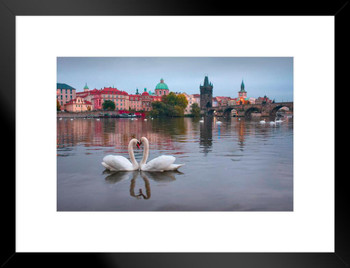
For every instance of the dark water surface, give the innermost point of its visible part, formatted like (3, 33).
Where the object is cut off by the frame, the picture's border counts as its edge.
(240, 165)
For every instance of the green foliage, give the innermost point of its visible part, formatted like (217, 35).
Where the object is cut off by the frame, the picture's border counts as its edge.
(58, 106)
(171, 105)
(182, 101)
(108, 105)
(195, 110)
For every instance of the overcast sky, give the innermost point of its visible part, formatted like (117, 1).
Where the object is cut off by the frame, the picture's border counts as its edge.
(262, 75)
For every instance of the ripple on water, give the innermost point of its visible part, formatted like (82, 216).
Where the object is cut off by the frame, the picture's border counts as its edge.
(239, 165)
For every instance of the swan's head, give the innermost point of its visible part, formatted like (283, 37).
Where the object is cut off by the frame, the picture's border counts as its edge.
(138, 144)
(141, 141)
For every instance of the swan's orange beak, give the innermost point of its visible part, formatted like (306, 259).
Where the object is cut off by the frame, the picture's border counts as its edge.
(138, 144)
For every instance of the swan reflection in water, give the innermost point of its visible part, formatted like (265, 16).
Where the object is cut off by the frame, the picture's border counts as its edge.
(116, 177)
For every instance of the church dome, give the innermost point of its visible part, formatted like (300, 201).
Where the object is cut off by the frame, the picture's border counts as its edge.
(162, 85)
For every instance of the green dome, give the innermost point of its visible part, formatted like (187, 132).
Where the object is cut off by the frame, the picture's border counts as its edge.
(162, 85)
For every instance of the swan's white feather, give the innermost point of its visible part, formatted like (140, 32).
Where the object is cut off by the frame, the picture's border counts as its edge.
(117, 163)
(175, 166)
(159, 163)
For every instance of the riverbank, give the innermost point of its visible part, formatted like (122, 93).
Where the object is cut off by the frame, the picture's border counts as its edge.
(97, 114)
(117, 114)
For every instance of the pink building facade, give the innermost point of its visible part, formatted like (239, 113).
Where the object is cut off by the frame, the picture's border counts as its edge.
(96, 97)
(191, 98)
(64, 94)
(78, 105)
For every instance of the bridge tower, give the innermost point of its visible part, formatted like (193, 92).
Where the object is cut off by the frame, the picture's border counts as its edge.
(206, 93)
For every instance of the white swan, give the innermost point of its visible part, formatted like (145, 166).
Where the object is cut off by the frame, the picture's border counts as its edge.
(219, 122)
(120, 163)
(201, 121)
(160, 163)
(262, 121)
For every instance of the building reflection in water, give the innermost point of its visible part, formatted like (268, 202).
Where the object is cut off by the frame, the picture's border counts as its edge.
(117, 133)
(241, 129)
(206, 134)
(116, 177)
(163, 134)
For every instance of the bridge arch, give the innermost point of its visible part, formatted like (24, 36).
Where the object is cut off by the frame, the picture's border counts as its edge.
(210, 112)
(250, 110)
(274, 111)
(227, 111)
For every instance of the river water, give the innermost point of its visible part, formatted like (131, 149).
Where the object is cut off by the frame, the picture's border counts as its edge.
(238, 165)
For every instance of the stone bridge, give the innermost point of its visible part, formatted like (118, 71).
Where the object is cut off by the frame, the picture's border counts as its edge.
(245, 110)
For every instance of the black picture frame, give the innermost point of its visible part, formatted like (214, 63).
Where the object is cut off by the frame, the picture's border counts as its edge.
(9, 9)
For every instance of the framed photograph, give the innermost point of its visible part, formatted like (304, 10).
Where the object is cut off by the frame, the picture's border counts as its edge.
(173, 137)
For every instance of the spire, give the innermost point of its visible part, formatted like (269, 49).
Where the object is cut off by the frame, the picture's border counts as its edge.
(86, 86)
(242, 87)
(206, 81)
(137, 91)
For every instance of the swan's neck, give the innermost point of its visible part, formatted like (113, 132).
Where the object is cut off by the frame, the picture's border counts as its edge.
(145, 151)
(131, 152)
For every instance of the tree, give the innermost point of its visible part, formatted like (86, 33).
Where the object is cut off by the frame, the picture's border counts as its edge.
(108, 105)
(159, 108)
(178, 110)
(171, 105)
(181, 101)
(172, 99)
(58, 106)
(195, 110)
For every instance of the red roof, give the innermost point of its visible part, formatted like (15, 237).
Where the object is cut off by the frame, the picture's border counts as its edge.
(82, 94)
(111, 90)
(136, 97)
(94, 91)
(222, 97)
(108, 90)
